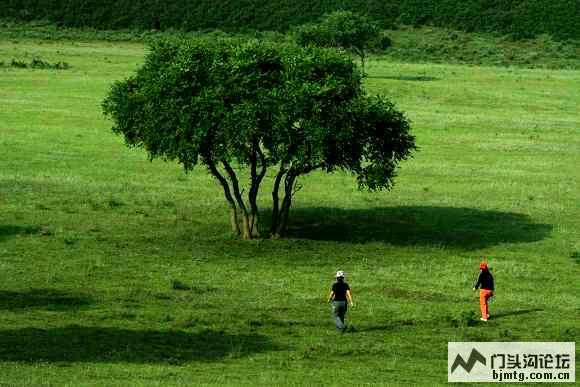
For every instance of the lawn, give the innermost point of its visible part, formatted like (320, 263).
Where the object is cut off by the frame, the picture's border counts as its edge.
(120, 271)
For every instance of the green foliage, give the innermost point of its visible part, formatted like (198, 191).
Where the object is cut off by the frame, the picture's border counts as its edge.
(384, 42)
(18, 64)
(258, 105)
(519, 18)
(409, 44)
(343, 29)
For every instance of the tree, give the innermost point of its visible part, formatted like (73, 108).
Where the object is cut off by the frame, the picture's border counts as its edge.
(343, 29)
(258, 106)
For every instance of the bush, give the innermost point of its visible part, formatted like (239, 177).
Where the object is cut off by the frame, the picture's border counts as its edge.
(18, 64)
(384, 42)
(37, 63)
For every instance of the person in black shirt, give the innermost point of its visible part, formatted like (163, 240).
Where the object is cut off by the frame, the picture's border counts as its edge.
(486, 287)
(339, 295)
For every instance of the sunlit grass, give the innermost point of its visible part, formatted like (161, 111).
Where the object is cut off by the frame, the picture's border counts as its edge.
(94, 237)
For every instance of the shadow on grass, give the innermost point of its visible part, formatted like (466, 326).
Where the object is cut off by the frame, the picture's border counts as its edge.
(8, 231)
(414, 295)
(465, 228)
(387, 326)
(515, 313)
(88, 344)
(50, 299)
(463, 319)
(412, 78)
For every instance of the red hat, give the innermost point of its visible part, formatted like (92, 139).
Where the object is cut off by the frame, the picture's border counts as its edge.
(483, 266)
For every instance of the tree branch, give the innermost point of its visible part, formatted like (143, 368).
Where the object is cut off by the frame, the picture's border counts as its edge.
(275, 198)
(224, 183)
(263, 163)
(256, 180)
(286, 203)
(247, 230)
(297, 187)
(235, 186)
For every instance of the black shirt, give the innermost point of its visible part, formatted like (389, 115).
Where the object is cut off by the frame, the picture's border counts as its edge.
(339, 289)
(484, 281)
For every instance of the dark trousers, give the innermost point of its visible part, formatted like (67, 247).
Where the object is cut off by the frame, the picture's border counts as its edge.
(339, 311)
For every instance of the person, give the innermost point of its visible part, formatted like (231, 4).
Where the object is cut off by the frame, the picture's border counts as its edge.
(486, 287)
(339, 296)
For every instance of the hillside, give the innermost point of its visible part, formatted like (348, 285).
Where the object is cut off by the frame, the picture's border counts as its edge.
(517, 18)
(410, 44)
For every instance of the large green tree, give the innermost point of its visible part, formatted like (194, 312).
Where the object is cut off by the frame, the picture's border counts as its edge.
(259, 106)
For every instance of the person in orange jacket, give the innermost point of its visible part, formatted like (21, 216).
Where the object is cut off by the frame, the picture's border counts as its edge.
(486, 287)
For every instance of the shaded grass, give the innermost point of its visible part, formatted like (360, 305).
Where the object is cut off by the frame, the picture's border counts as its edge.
(96, 345)
(447, 227)
(50, 299)
(7, 231)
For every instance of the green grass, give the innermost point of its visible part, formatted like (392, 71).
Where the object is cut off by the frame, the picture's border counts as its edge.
(430, 44)
(119, 271)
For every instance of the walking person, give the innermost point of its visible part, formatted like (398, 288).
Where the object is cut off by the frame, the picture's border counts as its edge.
(486, 287)
(340, 296)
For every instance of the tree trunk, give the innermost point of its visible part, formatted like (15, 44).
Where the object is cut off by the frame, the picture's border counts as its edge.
(235, 186)
(224, 183)
(246, 230)
(255, 181)
(360, 52)
(283, 221)
(276, 201)
(247, 234)
(286, 204)
(234, 222)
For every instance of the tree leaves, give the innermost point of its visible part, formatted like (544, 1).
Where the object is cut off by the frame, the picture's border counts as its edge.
(259, 104)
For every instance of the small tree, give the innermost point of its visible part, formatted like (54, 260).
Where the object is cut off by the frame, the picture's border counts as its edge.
(258, 106)
(342, 29)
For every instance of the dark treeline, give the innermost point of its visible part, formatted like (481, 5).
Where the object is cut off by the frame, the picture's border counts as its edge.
(518, 18)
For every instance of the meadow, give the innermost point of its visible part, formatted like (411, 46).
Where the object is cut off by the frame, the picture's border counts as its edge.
(118, 271)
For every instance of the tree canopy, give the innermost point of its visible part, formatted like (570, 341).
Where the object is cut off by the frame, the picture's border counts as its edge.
(341, 29)
(259, 106)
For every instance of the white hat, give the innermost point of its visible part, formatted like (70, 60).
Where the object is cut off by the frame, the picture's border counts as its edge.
(339, 274)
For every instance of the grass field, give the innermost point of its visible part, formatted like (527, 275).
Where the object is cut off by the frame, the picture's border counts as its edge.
(118, 271)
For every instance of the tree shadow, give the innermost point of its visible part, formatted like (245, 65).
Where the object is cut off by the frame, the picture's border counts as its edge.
(416, 295)
(464, 228)
(387, 326)
(515, 313)
(50, 299)
(7, 231)
(411, 78)
(92, 344)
